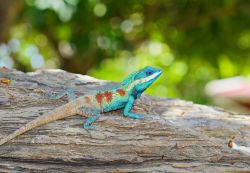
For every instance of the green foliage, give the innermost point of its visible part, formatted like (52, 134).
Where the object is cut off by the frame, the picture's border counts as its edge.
(192, 41)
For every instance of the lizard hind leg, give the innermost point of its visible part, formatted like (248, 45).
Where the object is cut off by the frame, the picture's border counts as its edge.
(69, 92)
(95, 115)
(89, 121)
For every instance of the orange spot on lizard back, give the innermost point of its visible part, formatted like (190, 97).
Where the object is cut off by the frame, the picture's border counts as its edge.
(87, 100)
(99, 98)
(121, 92)
(108, 95)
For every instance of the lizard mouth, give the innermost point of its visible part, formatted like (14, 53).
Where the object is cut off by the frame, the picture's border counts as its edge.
(151, 77)
(158, 73)
(155, 75)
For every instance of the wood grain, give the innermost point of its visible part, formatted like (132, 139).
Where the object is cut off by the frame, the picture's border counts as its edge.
(175, 136)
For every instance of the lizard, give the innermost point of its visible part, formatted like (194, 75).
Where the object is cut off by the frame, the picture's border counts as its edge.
(98, 102)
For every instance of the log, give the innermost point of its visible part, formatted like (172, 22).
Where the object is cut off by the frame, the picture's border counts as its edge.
(174, 136)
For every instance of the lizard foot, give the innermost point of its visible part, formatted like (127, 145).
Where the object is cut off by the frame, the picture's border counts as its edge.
(87, 126)
(135, 116)
(69, 92)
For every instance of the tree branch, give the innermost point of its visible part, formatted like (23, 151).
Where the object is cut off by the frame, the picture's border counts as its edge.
(175, 136)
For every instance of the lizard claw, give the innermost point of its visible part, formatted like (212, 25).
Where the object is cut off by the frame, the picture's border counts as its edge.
(86, 126)
(138, 116)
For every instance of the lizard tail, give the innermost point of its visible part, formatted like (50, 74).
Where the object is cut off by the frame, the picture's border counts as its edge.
(59, 113)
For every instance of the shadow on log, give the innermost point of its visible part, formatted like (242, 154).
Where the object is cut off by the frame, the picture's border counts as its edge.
(174, 136)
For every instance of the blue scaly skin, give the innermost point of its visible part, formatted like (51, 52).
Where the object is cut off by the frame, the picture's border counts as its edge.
(99, 102)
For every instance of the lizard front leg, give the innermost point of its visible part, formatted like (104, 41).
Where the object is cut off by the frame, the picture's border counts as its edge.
(128, 107)
(69, 92)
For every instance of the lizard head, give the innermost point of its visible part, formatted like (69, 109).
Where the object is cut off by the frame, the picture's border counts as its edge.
(142, 79)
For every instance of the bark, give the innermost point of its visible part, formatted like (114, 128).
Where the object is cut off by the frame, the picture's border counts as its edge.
(175, 136)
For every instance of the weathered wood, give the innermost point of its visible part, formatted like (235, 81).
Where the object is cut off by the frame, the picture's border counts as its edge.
(175, 136)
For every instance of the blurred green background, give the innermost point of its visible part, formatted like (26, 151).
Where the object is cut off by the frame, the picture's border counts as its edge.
(193, 41)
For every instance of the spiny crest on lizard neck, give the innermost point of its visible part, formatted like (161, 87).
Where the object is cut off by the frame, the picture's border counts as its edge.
(141, 79)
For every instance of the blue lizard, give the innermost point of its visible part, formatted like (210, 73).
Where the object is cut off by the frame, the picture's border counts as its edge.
(99, 102)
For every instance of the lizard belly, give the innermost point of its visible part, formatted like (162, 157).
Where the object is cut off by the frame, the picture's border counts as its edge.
(114, 106)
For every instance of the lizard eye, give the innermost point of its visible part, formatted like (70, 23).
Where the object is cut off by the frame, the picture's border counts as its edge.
(148, 73)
